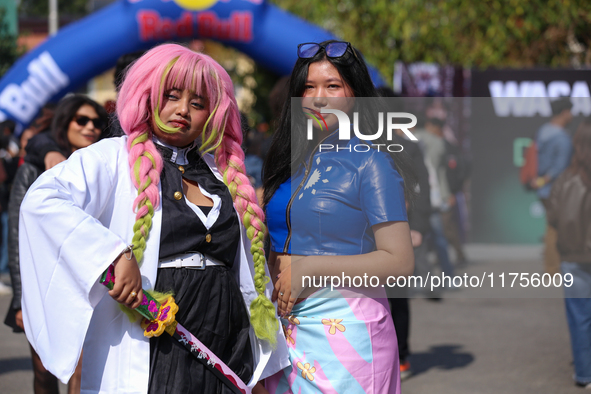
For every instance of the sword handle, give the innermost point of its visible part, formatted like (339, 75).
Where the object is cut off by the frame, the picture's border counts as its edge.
(149, 307)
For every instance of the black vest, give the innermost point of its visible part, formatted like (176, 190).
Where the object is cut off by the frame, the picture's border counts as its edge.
(182, 230)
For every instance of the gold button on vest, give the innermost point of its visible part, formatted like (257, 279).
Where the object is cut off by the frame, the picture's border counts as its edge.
(208, 238)
(182, 169)
(178, 195)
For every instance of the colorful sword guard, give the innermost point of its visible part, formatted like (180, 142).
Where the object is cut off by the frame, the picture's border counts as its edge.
(166, 317)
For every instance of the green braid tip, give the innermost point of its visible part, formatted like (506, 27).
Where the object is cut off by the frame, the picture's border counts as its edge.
(263, 320)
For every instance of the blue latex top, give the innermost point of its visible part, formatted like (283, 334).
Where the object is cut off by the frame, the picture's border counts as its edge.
(343, 195)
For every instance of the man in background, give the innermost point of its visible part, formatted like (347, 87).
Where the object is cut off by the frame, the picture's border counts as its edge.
(554, 155)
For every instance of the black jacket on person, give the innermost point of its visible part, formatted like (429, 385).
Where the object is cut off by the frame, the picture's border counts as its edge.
(39, 146)
(26, 174)
(43, 143)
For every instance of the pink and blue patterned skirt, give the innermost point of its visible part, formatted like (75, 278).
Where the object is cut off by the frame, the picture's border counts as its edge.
(339, 344)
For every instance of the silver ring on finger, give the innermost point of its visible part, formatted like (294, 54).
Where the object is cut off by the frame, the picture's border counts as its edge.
(281, 294)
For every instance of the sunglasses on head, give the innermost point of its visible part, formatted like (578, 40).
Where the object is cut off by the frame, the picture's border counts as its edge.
(333, 49)
(82, 120)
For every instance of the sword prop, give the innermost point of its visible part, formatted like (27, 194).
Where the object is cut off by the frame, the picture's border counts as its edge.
(158, 317)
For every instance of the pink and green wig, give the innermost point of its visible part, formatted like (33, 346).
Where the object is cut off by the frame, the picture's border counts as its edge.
(140, 99)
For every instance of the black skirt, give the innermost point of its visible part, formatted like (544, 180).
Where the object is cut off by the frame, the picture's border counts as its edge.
(211, 307)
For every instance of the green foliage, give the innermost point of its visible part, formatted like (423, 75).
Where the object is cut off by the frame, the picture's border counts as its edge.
(41, 7)
(9, 50)
(481, 33)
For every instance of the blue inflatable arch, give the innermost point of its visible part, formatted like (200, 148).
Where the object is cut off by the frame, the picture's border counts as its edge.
(92, 45)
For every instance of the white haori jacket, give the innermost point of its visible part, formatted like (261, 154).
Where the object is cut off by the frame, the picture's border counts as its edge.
(75, 220)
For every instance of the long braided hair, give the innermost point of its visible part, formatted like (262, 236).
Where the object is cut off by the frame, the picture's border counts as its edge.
(170, 66)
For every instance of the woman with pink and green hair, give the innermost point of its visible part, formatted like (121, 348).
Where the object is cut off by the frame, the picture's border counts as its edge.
(170, 206)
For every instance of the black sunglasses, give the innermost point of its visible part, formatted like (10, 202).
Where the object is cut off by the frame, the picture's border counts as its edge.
(333, 49)
(82, 120)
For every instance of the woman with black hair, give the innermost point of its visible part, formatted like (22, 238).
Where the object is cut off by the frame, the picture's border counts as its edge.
(335, 209)
(47, 149)
(77, 123)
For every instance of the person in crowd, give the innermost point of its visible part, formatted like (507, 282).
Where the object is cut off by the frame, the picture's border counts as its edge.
(418, 221)
(77, 123)
(9, 144)
(253, 160)
(453, 170)
(123, 63)
(457, 172)
(554, 155)
(26, 135)
(8, 164)
(433, 146)
(335, 213)
(569, 210)
(44, 150)
(276, 101)
(169, 206)
(277, 98)
(41, 124)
